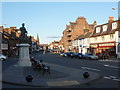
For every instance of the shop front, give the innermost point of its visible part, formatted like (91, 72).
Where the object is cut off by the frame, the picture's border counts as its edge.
(108, 47)
(94, 48)
(118, 56)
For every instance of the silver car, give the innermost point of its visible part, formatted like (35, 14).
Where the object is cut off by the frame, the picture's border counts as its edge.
(3, 57)
(90, 56)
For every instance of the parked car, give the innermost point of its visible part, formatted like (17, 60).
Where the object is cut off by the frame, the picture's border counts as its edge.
(91, 56)
(61, 54)
(78, 55)
(68, 54)
(3, 57)
(72, 54)
(100, 55)
(64, 54)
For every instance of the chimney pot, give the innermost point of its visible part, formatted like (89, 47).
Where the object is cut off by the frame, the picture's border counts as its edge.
(111, 19)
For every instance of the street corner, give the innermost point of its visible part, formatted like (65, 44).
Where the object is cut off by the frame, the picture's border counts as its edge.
(84, 79)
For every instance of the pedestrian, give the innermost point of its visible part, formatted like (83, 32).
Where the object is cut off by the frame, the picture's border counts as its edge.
(103, 55)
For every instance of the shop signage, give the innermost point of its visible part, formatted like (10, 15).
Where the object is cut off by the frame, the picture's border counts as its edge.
(93, 45)
(80, 45)
(107, 44)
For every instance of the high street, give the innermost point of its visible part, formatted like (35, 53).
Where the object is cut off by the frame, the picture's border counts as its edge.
(107, 69)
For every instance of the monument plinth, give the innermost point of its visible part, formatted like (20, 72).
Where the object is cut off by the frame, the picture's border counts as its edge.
(24, 59)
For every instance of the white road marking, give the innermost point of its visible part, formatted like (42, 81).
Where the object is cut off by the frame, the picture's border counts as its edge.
(107, 77)
(112, 78)
(116, 79)
(90, 68)
(111, 66)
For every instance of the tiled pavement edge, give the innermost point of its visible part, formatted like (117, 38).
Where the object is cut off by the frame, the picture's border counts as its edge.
(59, 76)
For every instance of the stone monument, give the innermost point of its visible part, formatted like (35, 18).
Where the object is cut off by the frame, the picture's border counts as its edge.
(24, 59)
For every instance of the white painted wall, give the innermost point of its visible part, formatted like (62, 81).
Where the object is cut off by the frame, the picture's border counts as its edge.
(99, 39)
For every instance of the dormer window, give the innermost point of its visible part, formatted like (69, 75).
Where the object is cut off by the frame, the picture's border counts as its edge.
(104, 28)
(114, 25)
(97, 29)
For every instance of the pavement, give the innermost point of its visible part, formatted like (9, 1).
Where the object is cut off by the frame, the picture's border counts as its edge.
(111, 59)
(60, 76)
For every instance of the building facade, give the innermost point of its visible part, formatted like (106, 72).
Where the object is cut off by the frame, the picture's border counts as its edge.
(105, 37)
(73, 30)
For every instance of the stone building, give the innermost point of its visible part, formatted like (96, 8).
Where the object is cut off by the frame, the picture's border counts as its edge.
(73, 30)
(10, 37)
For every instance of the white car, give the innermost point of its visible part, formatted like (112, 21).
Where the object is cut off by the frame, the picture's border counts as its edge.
(3, 57)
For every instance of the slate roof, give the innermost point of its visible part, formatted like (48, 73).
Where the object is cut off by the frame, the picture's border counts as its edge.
(108, 31)
(101, 32)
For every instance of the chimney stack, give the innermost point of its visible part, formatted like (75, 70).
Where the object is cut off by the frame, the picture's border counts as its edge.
(111, 19)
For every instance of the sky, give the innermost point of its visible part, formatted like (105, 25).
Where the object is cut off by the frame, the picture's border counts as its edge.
(49, 19)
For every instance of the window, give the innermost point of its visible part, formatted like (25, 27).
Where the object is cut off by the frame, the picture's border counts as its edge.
(95, 38)
(111, 36)
(88, 40)
(114, 25)
(97, 29)
(69, 40)
(103, 38)
(104, 28)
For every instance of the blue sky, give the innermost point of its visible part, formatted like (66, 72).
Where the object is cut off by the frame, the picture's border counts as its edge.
(49, 19)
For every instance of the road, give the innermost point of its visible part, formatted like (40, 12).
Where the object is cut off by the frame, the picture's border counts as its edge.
(107, 69)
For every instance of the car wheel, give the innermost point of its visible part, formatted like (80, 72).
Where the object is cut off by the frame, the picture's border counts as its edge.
(90, 58)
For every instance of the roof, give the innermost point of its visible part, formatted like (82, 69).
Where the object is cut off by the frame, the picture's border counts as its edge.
(101, 32)
(85, 35)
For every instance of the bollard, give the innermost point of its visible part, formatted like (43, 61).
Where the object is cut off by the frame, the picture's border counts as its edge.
(29, 78)
(86, 75)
